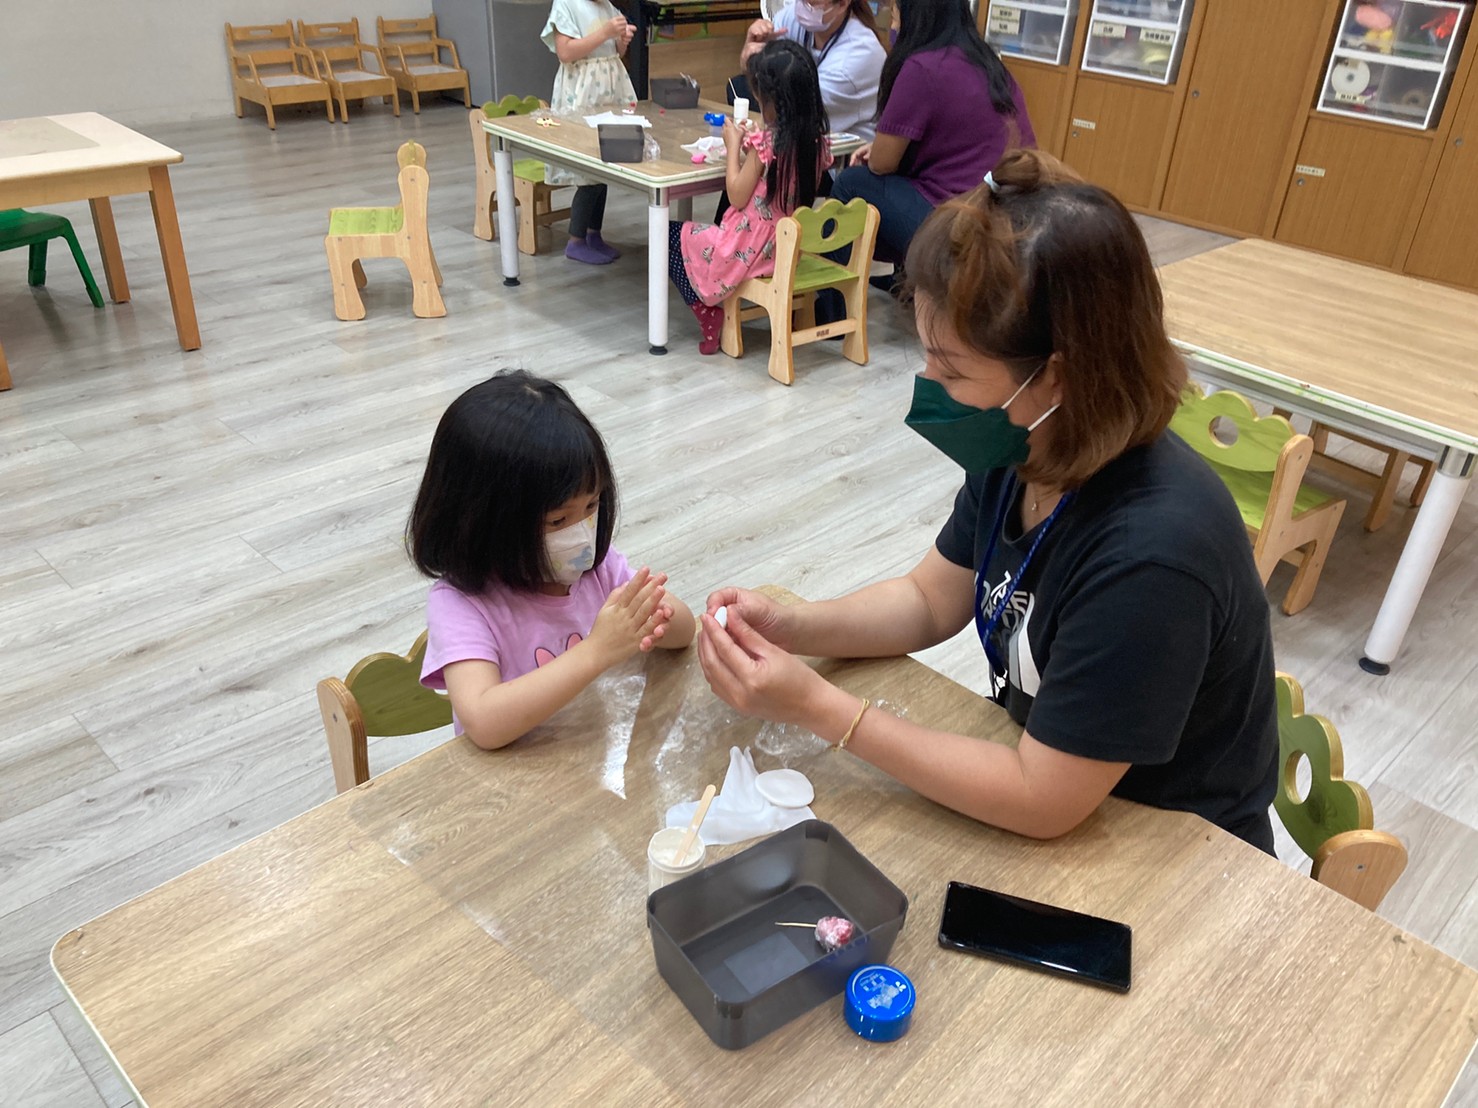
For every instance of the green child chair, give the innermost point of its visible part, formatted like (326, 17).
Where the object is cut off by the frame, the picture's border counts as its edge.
(1333, 823)
(530, 193)
(35, 229)
(382, 696)
(1264, 468)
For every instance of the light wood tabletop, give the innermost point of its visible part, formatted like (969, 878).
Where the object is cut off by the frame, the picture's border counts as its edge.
(1395, 344)
(87, 156)
(1379, 353)
(471, 926)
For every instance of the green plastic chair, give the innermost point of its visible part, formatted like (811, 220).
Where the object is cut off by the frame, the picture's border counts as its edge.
(1263, 467)
(1333, 823)
(382, 695)
(532, 196)
(801, 271)
(19, 227)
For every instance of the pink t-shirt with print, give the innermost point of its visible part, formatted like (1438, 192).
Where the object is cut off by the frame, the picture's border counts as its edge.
(516, 631)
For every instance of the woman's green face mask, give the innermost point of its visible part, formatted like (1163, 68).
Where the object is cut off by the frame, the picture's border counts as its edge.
(975, 439)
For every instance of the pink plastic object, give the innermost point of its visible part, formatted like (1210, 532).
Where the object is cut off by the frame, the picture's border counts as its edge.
(1372, 18)
(834, 932)
(698, 159)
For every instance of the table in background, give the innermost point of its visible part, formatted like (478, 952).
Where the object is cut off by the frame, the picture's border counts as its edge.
(671, 177)
(86, 156)
(472, 923)
(1391, 357)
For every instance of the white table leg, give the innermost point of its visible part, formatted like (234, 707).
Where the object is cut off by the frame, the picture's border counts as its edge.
(657, 216)
(507, 215)
(1418, 556)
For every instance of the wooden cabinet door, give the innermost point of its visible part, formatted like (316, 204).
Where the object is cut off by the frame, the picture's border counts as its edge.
(1116, 133)
(1045, 90)
(1246, 97)
(1359, 205)
(1446, 243)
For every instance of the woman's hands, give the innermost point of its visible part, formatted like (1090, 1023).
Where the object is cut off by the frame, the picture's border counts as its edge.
(752, 672)
(863, 154)
(633, 618)
(760, 32)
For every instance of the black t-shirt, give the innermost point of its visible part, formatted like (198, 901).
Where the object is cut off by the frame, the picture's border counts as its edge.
(1147, 635)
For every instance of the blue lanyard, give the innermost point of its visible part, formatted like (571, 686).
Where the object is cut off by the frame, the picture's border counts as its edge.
(986, 627)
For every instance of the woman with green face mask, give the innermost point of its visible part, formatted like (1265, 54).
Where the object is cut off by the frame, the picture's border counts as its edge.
(1102, 564)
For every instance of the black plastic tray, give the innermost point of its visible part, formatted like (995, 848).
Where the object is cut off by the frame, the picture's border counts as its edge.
(716, 944)
(620, 142)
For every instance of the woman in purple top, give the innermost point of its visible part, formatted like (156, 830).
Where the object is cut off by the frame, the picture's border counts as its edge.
(947, 110)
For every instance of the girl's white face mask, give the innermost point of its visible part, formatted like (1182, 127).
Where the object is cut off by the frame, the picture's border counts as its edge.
(571, 550)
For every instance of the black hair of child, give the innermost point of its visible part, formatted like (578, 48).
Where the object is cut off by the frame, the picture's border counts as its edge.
(782, 77)
(505, 454)
(935, 24)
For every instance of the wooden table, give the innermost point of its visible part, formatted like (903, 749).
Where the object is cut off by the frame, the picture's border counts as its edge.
(470, 928)
(673, 177)
(1389, 356)
(86, 156)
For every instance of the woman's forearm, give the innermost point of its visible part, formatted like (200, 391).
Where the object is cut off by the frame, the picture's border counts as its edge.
(883, 620)
(1029, 789)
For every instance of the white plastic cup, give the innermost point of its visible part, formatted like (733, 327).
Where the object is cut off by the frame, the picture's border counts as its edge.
(741, 109)
(661, 870)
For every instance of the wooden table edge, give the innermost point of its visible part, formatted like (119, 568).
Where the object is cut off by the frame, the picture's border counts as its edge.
(92, 1030)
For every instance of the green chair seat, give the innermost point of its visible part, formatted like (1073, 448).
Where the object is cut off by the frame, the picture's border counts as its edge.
(529, 169)
(365, 221)
(1251, 491)
(35, 230)
(817, 273)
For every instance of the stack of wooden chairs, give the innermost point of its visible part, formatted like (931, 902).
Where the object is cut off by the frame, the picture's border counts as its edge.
(276, 64)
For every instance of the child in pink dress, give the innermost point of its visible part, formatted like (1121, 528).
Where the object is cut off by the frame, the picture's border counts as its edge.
(772, 171)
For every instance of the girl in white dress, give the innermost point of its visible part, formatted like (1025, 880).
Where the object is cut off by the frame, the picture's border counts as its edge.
(589, 37)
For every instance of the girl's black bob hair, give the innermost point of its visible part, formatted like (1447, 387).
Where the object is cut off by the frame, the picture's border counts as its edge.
(505, 453)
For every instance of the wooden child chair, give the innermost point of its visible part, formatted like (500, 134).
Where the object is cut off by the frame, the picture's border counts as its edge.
(361, 71)
(412, 51)
(398, 232)
(533, 197)
(1264, 469)
(269, 68)
(19, 227)
(1383, 484)
(1334, 824)
(382, 696)
(801, 272)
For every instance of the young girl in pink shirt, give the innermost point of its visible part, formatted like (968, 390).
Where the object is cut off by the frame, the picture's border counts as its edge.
(514, 520)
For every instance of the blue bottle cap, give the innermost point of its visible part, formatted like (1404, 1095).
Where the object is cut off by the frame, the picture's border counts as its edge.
(714, 119)
(879, 1003)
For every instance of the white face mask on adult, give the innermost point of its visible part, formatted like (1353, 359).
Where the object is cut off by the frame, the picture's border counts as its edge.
(809, 17)
(571, 550)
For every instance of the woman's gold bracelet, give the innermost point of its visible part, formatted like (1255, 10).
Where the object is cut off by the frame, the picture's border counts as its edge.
(866, 704)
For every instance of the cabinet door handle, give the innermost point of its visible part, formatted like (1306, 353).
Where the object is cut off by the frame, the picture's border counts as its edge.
(1195, 94)
(1457, 141)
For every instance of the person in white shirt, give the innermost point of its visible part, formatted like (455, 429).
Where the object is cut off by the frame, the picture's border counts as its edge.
(843, 38)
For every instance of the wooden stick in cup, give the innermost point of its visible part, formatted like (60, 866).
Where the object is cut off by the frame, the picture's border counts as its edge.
(698, 817)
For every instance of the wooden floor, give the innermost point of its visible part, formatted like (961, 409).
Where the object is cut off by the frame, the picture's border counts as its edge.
(188, 542)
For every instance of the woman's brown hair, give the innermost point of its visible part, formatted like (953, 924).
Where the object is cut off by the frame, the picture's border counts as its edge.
(1046, 264)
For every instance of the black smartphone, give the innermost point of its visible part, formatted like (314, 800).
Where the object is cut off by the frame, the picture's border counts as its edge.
(1040, 936)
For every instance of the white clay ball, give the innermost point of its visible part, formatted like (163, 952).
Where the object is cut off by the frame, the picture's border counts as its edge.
(721, 617)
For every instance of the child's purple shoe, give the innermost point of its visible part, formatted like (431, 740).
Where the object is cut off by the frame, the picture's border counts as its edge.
(579, 251)
(595, 242)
